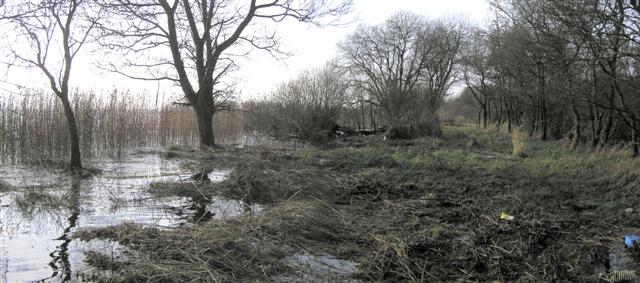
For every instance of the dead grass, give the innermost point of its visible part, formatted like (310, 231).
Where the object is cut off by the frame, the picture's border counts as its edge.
(425, 212)
(34, 201)
(33, 128)
(246, 249)
(519, 139)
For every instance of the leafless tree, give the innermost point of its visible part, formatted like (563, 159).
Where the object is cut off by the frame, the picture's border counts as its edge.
(392, 61)
(476, 72)
(305, 107)
(195, 43)
(49, 35)
(568, 66)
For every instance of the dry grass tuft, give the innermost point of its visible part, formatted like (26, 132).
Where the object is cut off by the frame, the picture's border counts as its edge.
(519, 139)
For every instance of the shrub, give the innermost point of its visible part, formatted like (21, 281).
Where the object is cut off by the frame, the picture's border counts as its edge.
(429, 128)
(305, 108)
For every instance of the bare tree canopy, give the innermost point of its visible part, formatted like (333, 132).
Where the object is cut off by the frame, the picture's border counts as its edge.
(405, 55)
(195, 43)
(560, 69)
(48, 36)
(306, 107)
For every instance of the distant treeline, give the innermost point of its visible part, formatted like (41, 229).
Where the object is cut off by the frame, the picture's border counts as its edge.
(33, 126)
(559, 69)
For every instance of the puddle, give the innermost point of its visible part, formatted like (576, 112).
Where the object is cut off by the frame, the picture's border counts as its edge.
(221, 208)
(38, 218)
(321, 268)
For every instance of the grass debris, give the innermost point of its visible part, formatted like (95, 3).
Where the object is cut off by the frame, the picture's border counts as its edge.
(423, 211)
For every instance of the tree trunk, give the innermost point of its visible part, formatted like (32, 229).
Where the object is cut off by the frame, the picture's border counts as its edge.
(76, 161)
(534, 122)
(510, 115)
(485, 116)
(372, 116)
(606, 131)
(594, 126)
(544, 120)
(593, 111)
(485, 111)
(364, 113)
(577, 124)
(488, 102)
(634, 140)
(204, 118)
(499, 118)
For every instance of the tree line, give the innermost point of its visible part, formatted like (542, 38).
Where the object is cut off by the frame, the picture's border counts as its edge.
(557, 68)
(560, 69)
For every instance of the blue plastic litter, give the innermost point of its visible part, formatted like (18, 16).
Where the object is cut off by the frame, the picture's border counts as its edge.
(631, 240)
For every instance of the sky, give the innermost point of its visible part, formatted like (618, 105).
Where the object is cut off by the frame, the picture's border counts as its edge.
(310, 46)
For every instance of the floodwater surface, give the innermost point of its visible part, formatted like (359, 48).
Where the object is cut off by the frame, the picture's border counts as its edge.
(39, 215)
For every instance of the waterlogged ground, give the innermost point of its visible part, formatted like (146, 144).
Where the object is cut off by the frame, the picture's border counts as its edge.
(44, 208)
(456, 208)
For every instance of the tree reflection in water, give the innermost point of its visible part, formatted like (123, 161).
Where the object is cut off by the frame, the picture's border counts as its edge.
(60, 257)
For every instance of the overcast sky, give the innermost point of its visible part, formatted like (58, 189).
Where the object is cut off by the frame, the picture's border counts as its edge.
(311, 46)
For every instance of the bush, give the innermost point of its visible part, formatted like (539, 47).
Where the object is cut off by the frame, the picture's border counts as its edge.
(429, 128)
(426, 128)
(403, 133)
(306, 108)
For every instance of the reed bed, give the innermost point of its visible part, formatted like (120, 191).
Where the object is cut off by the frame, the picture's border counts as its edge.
(33, 128)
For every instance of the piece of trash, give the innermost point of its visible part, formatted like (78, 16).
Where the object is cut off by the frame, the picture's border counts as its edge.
(628, 210)
(632, 241)
(506, 217)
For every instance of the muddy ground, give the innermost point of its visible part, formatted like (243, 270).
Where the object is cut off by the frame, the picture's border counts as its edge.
(426, 210)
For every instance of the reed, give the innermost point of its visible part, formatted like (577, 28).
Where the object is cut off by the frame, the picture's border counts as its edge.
(33, 128)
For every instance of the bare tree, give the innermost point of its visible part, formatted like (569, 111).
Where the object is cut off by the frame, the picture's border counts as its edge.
(476, 72)
(404, 56)
(194, 44)
(304, 107)
(43, 29)
(566, 68)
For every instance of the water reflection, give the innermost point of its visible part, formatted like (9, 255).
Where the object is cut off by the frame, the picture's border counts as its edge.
(60, 257)
(39, 217)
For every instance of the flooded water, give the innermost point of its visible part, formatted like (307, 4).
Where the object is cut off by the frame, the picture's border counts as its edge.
(39, 216)
(321, 268)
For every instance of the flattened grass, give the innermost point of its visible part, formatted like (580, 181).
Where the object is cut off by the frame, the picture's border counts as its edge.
(424, 211)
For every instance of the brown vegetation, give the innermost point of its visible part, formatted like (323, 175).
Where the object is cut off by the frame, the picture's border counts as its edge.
(420, 213)
(519, 139)
(33, 127)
